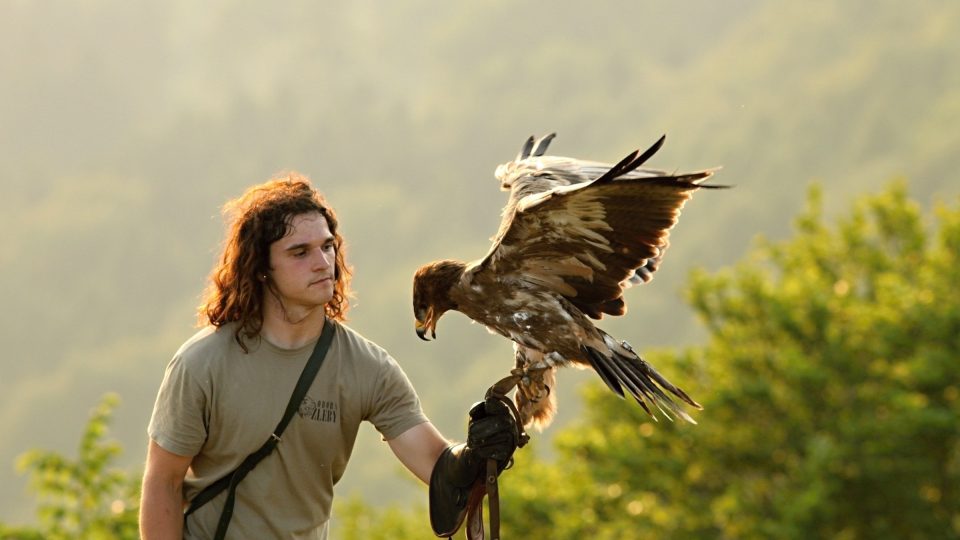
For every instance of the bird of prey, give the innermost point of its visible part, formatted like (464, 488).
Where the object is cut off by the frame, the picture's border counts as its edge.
(572, 237)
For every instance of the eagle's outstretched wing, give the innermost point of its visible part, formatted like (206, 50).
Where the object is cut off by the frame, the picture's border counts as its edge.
(532, 172)
(583, 240)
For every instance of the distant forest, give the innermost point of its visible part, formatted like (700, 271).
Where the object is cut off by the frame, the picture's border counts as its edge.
(125, 126)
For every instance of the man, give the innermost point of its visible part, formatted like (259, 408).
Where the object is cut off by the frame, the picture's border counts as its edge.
(281, 278)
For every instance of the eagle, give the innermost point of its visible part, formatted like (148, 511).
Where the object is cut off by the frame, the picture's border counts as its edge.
(574, 235)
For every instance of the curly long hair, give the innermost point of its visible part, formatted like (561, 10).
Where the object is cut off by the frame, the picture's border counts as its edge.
(255, 220)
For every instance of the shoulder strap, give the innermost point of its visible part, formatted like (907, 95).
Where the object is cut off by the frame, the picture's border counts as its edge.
(233, 478)
(306, 378)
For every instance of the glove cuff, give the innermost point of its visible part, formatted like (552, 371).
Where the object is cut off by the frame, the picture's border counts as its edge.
(452, 486)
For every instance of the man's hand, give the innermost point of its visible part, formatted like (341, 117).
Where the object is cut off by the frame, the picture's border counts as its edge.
(492, 433)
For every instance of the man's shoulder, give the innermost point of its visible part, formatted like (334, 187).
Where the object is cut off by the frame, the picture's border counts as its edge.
(207, 344)
(362, 347)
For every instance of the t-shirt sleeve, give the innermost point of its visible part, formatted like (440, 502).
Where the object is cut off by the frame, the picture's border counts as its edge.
(396, 407)
(178, 422)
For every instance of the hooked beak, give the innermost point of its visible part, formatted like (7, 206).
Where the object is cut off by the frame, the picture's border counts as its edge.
(426, 325)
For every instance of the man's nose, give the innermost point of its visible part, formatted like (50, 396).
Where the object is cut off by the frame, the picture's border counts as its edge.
(323, 259)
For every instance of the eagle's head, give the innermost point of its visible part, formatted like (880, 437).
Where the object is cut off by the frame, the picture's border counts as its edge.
(432, 286)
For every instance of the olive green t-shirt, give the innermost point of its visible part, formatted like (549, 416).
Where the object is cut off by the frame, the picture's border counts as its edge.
(219, 404)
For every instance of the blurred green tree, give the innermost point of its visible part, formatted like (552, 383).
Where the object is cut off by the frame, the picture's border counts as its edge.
(84, 498)
(830, 385)
(355, 519)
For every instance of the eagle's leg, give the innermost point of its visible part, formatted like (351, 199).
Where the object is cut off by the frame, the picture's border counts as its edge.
(529, 367)
(532, 385)
(535, 399)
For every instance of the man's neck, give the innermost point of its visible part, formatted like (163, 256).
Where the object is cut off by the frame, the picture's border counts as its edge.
(291, 329)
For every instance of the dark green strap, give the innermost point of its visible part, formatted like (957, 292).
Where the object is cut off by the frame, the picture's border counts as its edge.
(232, 479)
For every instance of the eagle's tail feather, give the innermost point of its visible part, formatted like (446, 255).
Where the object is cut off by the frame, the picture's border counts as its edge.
(602, 366)
(641, 380)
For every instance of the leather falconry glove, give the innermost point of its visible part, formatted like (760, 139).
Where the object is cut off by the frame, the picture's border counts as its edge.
(457, 481)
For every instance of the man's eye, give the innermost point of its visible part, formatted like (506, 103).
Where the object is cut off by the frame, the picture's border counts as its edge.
(299, 254)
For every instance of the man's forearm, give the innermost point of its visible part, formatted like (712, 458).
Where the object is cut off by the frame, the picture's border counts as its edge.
(418, 449)
(161, 510)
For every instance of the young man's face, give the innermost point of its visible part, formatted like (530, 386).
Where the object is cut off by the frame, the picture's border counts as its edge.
(302, 263)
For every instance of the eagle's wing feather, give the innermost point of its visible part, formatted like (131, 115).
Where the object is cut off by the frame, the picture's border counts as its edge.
(583, 240)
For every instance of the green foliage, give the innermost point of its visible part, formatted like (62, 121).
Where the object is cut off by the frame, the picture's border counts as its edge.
(839, 351)
(354, 519)
(83, 498)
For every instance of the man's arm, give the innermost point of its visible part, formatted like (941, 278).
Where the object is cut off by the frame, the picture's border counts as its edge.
(418, 448)
(161, 503)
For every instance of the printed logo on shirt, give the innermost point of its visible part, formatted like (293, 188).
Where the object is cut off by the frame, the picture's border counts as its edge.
(318, 411)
